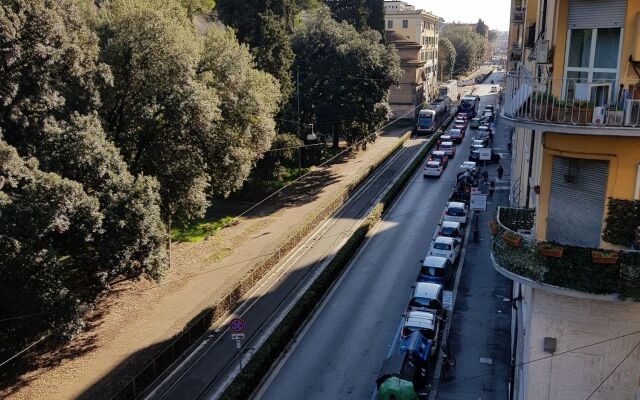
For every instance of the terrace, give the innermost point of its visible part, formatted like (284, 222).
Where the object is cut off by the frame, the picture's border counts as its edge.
(572, 105)
(559, 268)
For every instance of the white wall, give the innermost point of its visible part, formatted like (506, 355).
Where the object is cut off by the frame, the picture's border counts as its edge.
(574, 323)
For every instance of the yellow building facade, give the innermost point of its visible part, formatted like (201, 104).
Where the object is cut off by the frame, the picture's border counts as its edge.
(572, 103)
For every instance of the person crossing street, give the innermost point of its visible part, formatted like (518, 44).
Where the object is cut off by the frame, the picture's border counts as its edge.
(500, 172)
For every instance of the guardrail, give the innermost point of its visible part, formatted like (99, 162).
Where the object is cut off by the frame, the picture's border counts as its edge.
(569, 101)
(590, 271)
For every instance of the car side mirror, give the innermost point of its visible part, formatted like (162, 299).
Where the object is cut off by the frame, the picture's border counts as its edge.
(421, 261)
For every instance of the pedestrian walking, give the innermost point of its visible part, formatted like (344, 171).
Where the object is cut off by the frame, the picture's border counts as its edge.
(492, 188)
(500, 171)
(485, 175)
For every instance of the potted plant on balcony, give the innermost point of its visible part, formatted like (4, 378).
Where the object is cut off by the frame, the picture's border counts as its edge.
(493, 226)
(550, 250)
(604, 256)
(512, 239)
(576, 112)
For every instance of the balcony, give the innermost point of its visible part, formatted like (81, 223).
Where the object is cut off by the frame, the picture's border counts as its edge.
(518, 15)
(561, 269)
(600, 107)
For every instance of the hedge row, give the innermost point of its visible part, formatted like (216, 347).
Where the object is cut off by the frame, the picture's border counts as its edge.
(251, 375)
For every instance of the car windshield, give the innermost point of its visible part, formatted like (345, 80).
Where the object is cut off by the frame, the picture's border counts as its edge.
(455, 211)
(441, 246)
(437, 156)
(432, 271)
(425, 302)
(446, 146)
(448, 231)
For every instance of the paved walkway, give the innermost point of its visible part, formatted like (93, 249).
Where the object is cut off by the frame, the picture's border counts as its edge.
(137, 318)
(480, 334)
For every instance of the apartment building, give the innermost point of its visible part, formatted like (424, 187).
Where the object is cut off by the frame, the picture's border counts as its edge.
(414, 33)
(571, 237)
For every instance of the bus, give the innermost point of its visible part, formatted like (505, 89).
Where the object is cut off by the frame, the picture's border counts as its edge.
(469, 105)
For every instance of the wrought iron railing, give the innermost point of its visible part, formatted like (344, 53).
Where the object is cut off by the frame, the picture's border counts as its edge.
(569, 101)
(594, 271)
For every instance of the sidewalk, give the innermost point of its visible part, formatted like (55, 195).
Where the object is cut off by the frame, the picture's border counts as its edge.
(130, 324)
(480, 334)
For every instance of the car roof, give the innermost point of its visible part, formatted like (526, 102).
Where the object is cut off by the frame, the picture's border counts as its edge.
(450, 224)
(427, 289)
(439, 152)
(420, 319)
(454, 130)
(432, 163)
(465, 163)
(444, 239)
(455, 204)
(434, 261)
(447, 143)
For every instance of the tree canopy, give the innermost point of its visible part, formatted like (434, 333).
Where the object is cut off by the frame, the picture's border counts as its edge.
(446, 57)
(470, 47)
(351, 95)
(363, 14)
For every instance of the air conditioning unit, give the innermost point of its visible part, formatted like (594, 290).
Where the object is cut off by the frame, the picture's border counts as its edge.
(598, 115)
(542, 52)
(518, 15)
(631, 112)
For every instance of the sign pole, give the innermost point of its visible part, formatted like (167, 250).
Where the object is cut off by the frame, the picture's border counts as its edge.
(239, 346)
(476, 228)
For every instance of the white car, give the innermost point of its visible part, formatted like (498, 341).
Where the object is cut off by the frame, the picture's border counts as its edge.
(456, 212)
(433, 168)
(470, 166)
(424, 322)
(449, 148)
(450, 229)
(446, 247)
(446, 138)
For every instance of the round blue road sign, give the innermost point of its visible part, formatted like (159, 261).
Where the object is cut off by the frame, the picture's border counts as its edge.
(236, 325)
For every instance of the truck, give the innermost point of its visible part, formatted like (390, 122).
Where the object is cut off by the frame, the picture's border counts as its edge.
(469, 106)
(404, 374)
(430, 119)
(449, 88)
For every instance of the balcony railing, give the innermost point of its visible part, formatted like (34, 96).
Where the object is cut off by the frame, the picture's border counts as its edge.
(563, 268)
(599, 103)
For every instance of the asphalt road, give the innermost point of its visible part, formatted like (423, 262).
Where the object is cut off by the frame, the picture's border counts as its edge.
(216, 360)
(340, 352)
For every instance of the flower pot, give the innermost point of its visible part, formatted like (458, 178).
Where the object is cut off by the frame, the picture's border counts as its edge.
(604, 257)
(493, 226)
(615, 117)
(549, 250)
(512, 239)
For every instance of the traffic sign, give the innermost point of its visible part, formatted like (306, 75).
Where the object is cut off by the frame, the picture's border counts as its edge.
(237, 336)
(236, 325)
(484, 154)
(478, 202)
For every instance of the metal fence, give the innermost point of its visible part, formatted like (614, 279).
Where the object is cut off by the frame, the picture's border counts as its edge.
(192, 333)
(573, 101)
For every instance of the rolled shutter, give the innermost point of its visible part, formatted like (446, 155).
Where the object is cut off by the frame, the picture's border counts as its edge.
(577, 200)
(597, 13)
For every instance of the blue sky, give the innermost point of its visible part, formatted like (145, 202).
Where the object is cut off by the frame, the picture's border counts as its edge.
(494, 13)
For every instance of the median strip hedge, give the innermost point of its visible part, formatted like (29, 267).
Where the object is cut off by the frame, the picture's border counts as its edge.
(252, 374)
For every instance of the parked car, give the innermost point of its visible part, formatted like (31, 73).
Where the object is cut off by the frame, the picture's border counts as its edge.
(456, 212)
(459, 126)
(447, 247)
(426, 296)
(450, 229)
(449, 148)
(445, 138)
(470, 166)
(433, 168)
(439, 155)
(480, 142)
(435, 269)
(424, 322)
(488, 115)
(483, 132)
(475, 123)
(456, 135)
(462, 116)
(460, 122)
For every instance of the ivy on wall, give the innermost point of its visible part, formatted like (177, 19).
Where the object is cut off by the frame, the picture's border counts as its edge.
(622, 221)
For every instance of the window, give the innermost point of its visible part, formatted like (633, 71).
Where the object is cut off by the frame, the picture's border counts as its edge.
(592, 57)
(390, 24)
(405, 23)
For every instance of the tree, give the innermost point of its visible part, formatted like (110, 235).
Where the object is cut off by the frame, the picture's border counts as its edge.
(446, 57)
(265, 25)
(481, 28)
(195, 7)
(470, 47)
(352, 93)
(249, 100)
(375, 19)
(363, 14)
